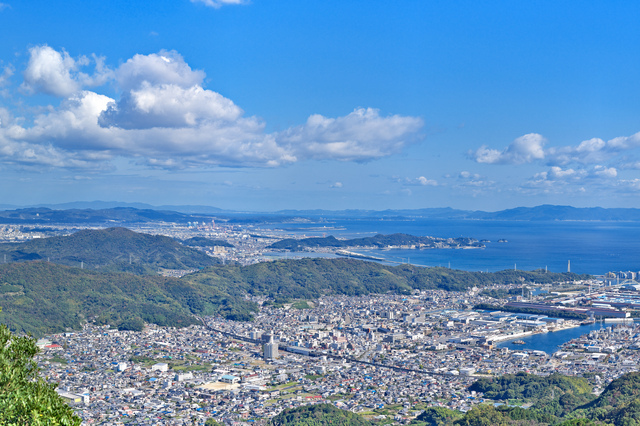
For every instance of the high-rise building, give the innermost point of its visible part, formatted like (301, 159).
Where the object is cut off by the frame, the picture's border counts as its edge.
(271, 349)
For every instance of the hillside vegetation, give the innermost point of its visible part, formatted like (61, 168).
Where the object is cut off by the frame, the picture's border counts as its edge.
(112, 249)
(42, 297)
(318, 415)
(556, 400)
(310, 278)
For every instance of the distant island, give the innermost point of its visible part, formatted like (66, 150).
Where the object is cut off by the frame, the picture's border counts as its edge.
(392, 241)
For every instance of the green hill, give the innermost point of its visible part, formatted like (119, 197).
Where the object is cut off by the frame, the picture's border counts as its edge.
(557, 400)
(619, 403)
(112, 249)
(318, 415)
(205, 242)
(553, 395)
(41, 298)
(310, 278)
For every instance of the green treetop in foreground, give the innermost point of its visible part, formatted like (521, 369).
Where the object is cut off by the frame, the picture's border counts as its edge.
(25, 397)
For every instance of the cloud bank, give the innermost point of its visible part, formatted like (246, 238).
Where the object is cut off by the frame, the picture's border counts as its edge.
(165, 117)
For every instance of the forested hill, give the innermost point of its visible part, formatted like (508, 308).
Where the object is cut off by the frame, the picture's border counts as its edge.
(310, 278)
(110, 249)
(318, 415)
(379, 241)
(42, 297)
(555, 400)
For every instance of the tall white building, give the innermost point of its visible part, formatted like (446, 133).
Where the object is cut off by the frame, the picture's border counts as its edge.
(271, 349)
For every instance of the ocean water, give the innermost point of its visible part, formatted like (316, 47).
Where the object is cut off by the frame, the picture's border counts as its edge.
(591, 247)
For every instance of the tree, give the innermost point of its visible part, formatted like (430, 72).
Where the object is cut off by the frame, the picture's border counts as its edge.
(25, 397)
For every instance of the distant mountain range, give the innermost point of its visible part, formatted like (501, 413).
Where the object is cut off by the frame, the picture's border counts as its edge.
(96, 212)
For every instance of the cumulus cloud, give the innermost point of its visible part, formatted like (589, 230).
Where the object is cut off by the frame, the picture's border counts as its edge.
(605, 172)
(336, 185)
(50, 72)
(219, 3)
(524, 149)
(559, 180)
(419, 181)
(165, 118)
(58, 74)
(359, 136)
(168, 105)
(165, 67)
(530, 148)
(466, 179)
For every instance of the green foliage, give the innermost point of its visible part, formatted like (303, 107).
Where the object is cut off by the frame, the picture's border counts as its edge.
(302, 304)
(530, 386)
(558, 400)
(488, 415)
(439, 416)
(132, 324)
(619, 403)
(318, 415)
(205, 242)
(311, 278)
(57, 298)
(25, 398)
(110, 249)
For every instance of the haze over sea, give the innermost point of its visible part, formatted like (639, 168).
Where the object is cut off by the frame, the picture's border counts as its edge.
(592, 247)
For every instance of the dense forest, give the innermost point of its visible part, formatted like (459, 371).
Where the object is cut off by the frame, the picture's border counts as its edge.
(112, 249)
(318, 415)
(310, 278)
(555, 399)
(205, 242)
(41, 298)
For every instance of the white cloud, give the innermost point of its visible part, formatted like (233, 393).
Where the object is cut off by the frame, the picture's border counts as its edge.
(169, 105)
(165, 67)
(419, 181)
(556, 173)
(524, 149)
(165, 118)
(336, 185)
(219, 3)
(359, 136)
(4, 6)
(530, 148)
(6, 74)
(50, 72)
(605, 172)
(58, 74)
(474, 182)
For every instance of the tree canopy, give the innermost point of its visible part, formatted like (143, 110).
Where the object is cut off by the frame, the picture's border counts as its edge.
(25, 397)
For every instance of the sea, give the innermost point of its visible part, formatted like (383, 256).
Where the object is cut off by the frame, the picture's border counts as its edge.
(590, 247)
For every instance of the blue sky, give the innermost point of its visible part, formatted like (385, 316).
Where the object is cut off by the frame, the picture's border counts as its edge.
(267, 105)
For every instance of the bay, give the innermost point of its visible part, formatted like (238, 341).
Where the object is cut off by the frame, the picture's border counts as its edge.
(591, 247)
(550, 342)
